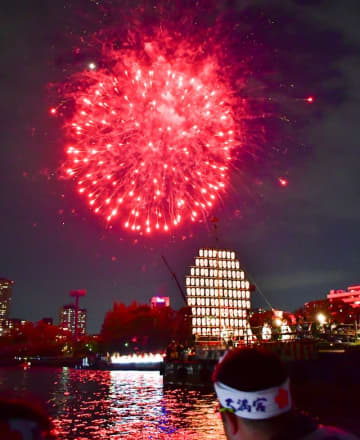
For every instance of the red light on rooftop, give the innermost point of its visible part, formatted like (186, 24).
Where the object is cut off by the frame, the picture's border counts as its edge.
(53, 111)
(310, 99)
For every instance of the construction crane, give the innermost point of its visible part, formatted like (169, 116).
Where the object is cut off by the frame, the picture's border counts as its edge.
(175, 278)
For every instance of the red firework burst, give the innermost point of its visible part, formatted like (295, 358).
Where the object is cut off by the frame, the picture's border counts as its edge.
(151, 137)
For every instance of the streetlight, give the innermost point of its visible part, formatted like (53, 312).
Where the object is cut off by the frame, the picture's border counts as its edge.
(321, 318)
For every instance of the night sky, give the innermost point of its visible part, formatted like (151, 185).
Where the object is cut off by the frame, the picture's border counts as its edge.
(296, 242)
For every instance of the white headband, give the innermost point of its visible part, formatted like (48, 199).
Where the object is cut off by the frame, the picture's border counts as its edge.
(257, 405)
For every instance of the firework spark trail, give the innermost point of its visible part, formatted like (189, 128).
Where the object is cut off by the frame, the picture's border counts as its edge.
(151, 140)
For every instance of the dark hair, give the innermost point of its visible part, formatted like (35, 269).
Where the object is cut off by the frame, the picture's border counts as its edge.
(23, 409)
(253, 369)
(250, 369)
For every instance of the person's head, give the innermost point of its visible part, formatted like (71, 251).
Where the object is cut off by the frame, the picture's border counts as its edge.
(252, 387)
(22, 420)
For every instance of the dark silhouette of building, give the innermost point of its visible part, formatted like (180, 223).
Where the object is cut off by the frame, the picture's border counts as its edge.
(48, 321)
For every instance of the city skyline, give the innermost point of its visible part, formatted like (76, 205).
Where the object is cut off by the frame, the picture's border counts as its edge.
(295, 241)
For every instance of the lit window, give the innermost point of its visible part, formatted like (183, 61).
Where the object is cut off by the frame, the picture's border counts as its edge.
(205, 253)
(210, 253)
(201, 252)
(192, 271)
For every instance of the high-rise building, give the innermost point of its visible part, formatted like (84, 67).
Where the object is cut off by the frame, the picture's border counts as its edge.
(350, 296)
(5, 299)
(68, 316)
(219, 296)
(159, 302)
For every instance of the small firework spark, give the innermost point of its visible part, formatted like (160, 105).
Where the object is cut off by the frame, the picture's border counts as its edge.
(283, 182)
(151, 139)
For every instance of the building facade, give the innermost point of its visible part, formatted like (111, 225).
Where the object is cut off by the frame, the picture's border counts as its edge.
(5, 300)
(351, 296)
(219, 296)
(159, 302)
(68, 316)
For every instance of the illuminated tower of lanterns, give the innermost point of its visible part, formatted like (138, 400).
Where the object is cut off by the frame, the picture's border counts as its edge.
(219, 296)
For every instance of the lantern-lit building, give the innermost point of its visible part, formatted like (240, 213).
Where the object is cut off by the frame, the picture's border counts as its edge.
(219, 296)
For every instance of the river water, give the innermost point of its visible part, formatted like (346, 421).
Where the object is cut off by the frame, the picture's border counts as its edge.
(115, 404)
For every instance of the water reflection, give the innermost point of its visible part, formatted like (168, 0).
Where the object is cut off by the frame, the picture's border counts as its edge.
(118, 404)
